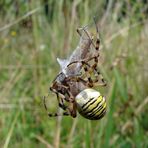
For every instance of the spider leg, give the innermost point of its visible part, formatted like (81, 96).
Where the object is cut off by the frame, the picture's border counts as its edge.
(53, 114)
(66, 95)
(95, 58)
(93, 75)
(60, 104)
(44, 102)
(91, 37)
(89, 70)
(78, 79)
(72, 109)
(97, 31)
(98, 75)
(88, 35)
(58, 114)
(79, 32)
(69, 110)
(60, 98)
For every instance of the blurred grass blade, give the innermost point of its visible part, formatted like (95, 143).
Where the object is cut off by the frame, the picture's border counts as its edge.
(11, 130)
(87, 134)
(100, 132)
(120, 85)
(138, 136)
(109, 125)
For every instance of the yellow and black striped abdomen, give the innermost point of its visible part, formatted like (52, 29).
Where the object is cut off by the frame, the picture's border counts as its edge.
(91, 104)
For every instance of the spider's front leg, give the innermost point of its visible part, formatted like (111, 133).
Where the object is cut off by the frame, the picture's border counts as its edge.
(56, 114)
(93, 69)
(89, 71)
(69, 110)
(62, 96)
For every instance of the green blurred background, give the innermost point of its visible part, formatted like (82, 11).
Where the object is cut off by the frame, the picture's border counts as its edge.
(33, 34)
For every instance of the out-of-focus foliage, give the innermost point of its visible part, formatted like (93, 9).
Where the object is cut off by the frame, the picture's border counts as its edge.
(33, 34)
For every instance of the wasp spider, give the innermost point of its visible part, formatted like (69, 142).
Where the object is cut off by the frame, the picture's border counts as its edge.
(79, 74)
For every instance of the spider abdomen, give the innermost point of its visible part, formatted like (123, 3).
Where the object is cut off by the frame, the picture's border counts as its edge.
(91, 104)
